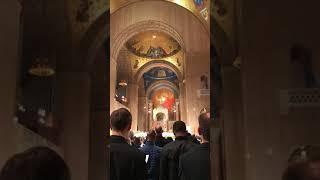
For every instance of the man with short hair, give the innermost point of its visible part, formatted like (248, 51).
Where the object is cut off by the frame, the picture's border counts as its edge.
(169, 157)
(126, 162)
(153, 153)
(195, 164)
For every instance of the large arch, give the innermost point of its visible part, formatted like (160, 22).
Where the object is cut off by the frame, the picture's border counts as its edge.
(128, 27)
(95, 37)
(118, 41)
(157, 63)
(162, 84)
(184, 5)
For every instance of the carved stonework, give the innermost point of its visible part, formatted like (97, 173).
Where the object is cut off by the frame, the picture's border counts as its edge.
(299, 98)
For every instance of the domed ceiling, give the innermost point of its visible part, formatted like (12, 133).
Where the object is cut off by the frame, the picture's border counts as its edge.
(159, 73)
(153, 44)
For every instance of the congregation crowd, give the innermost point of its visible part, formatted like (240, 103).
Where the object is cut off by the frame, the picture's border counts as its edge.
(183, 158)
(159, 158)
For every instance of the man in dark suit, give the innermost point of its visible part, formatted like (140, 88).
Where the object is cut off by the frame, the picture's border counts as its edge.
(195, 164)
(126, 162)
(169, 157)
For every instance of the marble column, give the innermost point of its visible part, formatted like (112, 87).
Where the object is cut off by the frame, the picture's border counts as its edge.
(133, 103)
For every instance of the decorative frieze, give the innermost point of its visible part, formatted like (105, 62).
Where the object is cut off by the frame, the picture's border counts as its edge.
(299, 98)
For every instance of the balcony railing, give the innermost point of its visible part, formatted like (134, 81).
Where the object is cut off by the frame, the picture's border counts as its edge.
(299, 98)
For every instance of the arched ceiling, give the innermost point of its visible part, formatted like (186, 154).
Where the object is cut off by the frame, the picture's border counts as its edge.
(82, 14)
(153, 44)
(200, 8)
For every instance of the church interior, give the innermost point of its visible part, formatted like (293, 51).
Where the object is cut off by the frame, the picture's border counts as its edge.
(67, 64)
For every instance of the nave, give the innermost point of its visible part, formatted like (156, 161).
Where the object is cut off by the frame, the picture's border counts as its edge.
(254, 65)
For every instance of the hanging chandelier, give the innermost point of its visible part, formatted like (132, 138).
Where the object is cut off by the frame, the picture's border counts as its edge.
(41, 67)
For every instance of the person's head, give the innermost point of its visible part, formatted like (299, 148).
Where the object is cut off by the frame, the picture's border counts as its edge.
(120, 121)
(151, 136)
(179, 128)
(304, 164)
(37, 163)
(136, 141)
(158, 130)
(204, 127)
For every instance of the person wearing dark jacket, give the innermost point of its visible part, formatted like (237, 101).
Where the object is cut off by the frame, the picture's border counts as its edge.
(126, 162)
(195, 164)
(169, 157)
(153, 153)
(136, 142)
(160, 140)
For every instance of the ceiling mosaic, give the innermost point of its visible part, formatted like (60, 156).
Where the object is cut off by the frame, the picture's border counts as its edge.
(137, 62)
(157, 74)
(153, 44)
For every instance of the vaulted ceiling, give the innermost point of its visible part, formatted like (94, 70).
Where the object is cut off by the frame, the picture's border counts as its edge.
(68, 21)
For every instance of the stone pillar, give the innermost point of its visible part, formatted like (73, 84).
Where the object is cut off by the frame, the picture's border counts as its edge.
(141, 114)
(232, 120)
(9, 35)
(133, 103)
(73, 111)
(182, 101)
(113, 81)
(150, 114)
(99, 131)
(177, 113)
(146, 114)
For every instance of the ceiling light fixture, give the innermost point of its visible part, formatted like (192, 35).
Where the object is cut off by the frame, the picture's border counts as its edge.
(123, 83)
(154, 36)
